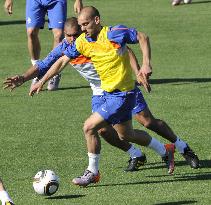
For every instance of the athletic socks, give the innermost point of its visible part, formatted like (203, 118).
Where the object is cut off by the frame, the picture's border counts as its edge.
(93, 163)
(157, 147)
(134, 152)
(180, 145)
(33, 62)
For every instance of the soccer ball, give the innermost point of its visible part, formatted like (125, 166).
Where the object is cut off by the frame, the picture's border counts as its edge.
(46, 182)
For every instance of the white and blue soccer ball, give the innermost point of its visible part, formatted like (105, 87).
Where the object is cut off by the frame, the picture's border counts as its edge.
(46, 182)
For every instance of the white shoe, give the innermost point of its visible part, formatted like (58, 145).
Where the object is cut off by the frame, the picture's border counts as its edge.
(187, 1)
(176, 2)
(34, 81)
(53, 83)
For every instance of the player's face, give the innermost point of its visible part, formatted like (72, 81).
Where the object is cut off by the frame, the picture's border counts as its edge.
(89, 25)
(71, 33)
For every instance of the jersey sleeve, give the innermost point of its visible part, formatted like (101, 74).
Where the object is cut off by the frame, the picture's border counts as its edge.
(44, 65)
(71, 51)
(122, 35)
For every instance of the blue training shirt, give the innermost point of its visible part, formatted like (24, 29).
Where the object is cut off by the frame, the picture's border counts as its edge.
(44, 65)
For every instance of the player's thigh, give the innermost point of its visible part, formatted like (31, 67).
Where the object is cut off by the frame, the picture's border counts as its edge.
(35, 14)
(94, 122)
(57, 14)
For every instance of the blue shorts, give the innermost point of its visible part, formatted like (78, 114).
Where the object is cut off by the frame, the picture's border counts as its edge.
(37, 9)
(114, 107)
(140, 102)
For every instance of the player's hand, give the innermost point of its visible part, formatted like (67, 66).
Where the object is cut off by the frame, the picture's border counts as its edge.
(13, 82)
(146, 71)
(8, 6)
(36, 88)
(143, 81)
(78, 5)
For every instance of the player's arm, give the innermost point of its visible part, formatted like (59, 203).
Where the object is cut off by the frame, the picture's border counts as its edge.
(135, 67)
(56, 68)
(8, 5)
(41, 67)
(17, 80)
(146, 68)
(123, 35)
(133, 61)
(78, 5)
(70, 52)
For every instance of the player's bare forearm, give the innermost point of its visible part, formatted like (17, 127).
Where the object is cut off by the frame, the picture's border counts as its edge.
(146, 52)
(31, 73)
(56, 68)
(133, 61)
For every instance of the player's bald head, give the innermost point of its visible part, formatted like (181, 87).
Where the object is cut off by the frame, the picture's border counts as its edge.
(89, 12)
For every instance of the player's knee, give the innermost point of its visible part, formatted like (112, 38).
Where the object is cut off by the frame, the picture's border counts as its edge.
(103, 132)
(88, 127)
(32, 33)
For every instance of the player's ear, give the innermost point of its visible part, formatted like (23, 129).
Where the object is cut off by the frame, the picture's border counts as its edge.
(97, 19)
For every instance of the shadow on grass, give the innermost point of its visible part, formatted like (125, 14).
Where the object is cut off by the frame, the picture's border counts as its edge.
(177, 202)
(4, 23)
(68, 88)
(152, 81)
(16, 22)
(177, 178)
(179, 80)
(65, 197)
(203, 164)
(201, 2)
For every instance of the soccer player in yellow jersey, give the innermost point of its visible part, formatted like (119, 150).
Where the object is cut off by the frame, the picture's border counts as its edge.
(106, 46)
(95, 43)
(140, 111)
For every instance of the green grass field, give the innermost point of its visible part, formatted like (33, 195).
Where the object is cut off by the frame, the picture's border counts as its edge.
(45, 132)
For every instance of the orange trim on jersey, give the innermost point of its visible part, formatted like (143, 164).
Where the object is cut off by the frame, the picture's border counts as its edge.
(115, 45)
(80, 60)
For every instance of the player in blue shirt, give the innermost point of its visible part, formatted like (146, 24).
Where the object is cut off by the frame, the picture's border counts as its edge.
(36, 10)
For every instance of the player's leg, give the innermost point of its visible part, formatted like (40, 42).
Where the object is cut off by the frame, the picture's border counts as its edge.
(115, 107)
(91, 127)
(145, 117)
(137, 158)
(163, 150)
(57, 14)
(35, 19)
(4, 196)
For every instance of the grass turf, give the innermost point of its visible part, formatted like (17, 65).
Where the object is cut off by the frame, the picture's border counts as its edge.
(45, 132)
